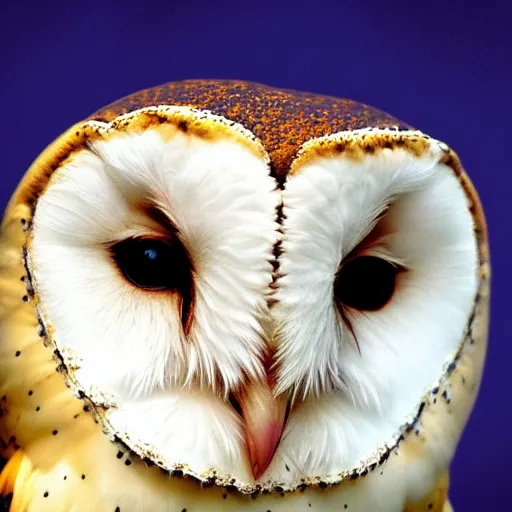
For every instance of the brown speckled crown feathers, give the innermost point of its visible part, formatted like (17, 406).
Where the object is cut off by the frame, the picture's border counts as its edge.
(281, 119)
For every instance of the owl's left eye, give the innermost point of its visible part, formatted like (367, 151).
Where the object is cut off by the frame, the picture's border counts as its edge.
(366, 283)
(153, 264)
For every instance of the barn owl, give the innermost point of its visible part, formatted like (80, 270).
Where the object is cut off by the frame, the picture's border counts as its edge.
(222, 296)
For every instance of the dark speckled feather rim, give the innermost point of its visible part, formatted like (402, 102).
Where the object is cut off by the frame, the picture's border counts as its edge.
(300, 116)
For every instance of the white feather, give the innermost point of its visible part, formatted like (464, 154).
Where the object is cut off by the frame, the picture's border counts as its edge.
(130, 344)
(356, 402)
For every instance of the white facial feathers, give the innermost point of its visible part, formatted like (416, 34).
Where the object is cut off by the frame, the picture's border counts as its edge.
(329, 206)
(130, 343)
(221, 199)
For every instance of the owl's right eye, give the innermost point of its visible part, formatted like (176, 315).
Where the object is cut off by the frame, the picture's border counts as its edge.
(366, 283)
(153, 264)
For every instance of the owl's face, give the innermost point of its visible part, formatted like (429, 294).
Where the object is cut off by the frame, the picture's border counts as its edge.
(262, 320)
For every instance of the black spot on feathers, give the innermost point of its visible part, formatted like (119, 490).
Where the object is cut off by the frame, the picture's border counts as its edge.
(5, 502)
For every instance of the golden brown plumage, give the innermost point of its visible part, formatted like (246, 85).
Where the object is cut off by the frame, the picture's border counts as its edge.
(64, 455)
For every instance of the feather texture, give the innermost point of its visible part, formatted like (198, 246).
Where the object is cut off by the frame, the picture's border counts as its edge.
(365, 432)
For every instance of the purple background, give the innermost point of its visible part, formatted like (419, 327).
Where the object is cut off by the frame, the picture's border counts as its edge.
(439, 65)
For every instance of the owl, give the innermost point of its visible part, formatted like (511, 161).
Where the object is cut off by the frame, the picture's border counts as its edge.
(223, 296)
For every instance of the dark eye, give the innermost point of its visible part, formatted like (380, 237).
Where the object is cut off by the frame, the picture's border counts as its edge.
(153, 264)
(365, 283)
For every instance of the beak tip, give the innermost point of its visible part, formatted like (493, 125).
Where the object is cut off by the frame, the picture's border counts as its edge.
(256, 471)
(261, 455)
(259, 467)
(264, 418)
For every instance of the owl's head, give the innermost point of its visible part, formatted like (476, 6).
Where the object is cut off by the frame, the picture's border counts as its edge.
(252, 287)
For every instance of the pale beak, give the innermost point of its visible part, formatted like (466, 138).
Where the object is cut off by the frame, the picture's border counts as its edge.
(264, 418)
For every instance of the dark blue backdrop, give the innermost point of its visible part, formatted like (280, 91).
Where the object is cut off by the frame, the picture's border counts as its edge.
(442, 66)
